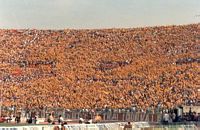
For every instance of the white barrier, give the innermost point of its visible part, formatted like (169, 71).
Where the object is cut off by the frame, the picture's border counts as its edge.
(67, 127)
(45, 127)
(105, 126)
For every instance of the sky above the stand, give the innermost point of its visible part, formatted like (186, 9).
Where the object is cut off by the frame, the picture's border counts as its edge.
(60, 14)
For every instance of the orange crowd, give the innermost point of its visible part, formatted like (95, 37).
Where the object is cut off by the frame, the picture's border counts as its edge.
(98, 68)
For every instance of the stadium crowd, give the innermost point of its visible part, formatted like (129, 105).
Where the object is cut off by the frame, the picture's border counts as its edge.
(117, 68)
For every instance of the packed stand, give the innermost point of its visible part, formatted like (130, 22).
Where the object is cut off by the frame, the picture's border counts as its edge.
(116, 68)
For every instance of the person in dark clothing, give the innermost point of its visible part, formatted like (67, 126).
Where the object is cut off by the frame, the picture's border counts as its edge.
(190, 111)
(30, 120)
(17, 119)
(35, 119)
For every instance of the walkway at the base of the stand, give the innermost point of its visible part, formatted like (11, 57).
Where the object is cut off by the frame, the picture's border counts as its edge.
(100, 126)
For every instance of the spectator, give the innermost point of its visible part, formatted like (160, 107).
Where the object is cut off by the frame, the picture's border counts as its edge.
(50, 119)
(56, 128)
(81, 121)
(30, 120)
(63, 126)
(17, 119)
(174, 117)
(35, 119)
(128, 126)
(89, 121)
(166, 118)
(60, 119)
(98, 118)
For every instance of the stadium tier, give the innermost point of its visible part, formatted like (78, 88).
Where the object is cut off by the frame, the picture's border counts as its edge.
(115, 68)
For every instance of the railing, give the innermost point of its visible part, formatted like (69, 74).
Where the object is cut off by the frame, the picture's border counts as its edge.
(107, 115)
